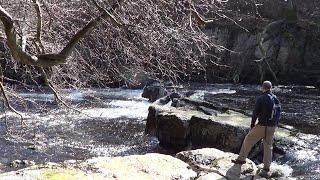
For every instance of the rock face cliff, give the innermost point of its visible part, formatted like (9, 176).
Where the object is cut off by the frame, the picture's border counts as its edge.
(265, 39)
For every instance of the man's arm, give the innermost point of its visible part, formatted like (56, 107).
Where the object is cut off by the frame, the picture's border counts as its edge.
(255, 112)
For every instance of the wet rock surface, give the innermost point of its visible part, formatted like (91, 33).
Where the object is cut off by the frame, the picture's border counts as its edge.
(210, 162)
(183, 126)
(21, 163)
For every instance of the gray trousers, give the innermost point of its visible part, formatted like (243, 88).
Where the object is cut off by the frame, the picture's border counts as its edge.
(255, 134)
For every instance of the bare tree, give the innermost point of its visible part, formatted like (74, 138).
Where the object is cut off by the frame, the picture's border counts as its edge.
(122, 41)
(45, 60)
(105, 43)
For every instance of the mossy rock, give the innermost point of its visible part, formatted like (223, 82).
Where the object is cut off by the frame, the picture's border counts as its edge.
(62, 174)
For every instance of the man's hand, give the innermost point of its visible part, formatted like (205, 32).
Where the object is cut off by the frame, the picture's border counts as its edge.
(252, 125)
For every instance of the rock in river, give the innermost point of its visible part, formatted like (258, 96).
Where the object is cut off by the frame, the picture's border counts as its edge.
(154, 91)
(178, 127)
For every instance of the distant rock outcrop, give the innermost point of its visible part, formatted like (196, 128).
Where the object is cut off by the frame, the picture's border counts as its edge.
(283, 33)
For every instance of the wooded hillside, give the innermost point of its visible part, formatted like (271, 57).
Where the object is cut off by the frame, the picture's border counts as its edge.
(111, 43)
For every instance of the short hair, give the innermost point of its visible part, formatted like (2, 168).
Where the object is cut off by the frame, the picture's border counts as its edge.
(267, 85)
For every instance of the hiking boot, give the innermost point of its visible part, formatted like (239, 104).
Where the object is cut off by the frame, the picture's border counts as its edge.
(264, 172)
(266, 169)
(237, 161)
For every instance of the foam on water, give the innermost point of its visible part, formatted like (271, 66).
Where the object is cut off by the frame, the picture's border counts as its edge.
(199, 94)
(38, 96)
(284, 168)
(117, 93)
(79, 95)
(310, 155)
(75, 96)
(12, 114)
(120, 108)
(108, 151)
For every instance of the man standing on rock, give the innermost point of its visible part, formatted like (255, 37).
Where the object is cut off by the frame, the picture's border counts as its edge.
(267, 110)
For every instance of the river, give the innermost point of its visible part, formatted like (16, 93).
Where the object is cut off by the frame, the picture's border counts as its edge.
(111, 123)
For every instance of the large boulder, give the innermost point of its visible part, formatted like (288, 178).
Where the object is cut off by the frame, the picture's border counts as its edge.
(183, 126)
(153, 91)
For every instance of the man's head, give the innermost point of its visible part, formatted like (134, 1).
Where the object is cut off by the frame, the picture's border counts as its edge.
(266, 86)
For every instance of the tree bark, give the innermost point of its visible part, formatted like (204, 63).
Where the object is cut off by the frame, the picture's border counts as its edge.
(36, 5)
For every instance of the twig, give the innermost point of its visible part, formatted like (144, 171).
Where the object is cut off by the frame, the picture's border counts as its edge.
(56, 95)
(104, 11)
(9, 105)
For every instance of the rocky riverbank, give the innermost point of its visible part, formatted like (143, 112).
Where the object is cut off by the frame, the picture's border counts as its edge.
(201, 164)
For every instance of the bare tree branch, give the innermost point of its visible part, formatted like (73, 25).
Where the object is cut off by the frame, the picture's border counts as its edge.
(47, 60)
(104, 11)
(36, 5)
(204, 22)
(55, 93)
(8, 103)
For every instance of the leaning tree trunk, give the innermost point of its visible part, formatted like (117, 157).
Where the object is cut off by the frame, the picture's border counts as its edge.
(48, 60)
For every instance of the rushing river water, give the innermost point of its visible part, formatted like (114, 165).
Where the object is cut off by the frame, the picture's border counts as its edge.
(112, 123)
